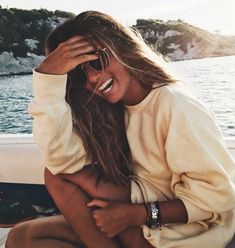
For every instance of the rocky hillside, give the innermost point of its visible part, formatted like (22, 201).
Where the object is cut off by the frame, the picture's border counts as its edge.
(22, 33)
(179, 40)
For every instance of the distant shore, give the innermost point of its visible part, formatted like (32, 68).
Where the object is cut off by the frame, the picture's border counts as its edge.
(30, 72)
(15, 74)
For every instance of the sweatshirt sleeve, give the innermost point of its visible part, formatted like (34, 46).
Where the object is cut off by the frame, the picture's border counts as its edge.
(203, 171)
(62, 149)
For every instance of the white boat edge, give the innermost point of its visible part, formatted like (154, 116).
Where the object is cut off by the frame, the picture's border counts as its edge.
(20, 154)
(20, 159)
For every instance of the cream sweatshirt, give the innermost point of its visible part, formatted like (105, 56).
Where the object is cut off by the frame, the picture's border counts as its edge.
(177, 149)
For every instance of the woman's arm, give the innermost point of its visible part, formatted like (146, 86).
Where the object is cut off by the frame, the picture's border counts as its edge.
(202, 169)
(115, 217)
(62, 149)
(53, 131)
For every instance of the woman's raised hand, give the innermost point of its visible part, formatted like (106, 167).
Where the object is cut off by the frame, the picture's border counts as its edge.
(67, 56)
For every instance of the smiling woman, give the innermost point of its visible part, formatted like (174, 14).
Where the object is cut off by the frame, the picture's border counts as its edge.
(143, 161)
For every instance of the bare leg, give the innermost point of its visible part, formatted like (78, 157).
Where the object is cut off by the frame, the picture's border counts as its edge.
(71, 200)
(50, 232)
(134, 238)
(85, 179)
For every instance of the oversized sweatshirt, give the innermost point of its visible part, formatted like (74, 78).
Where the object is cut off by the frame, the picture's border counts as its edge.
(177, 149)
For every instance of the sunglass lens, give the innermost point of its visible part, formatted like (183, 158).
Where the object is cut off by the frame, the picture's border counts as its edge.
(96, 64)
(102, 62)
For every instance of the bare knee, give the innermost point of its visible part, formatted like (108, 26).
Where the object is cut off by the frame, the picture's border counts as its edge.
(86, 179)
(57, 181)
(19, 236)
(54, 183)
(50, 179)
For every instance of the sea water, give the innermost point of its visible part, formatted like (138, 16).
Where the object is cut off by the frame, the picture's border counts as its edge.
(212, 79)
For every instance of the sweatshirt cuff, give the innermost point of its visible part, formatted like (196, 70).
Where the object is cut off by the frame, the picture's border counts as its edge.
(49, 89)
(195, 213)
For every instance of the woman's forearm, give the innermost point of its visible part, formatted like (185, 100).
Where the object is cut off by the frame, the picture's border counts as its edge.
(172, 211)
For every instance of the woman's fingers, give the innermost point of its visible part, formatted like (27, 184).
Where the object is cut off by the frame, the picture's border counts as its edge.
(77, 42)
(83, 59)
(98, 203)
(81, 51)
(78, 48)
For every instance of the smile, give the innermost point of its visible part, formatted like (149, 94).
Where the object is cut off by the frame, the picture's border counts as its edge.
(106, 86)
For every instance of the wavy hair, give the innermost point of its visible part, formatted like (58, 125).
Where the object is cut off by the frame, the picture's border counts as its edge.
(127, 46)
(99, 123)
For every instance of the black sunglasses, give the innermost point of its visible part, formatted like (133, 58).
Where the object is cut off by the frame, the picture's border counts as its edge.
(78, 76)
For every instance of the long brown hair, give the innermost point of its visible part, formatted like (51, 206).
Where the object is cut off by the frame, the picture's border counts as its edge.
(127, 46)
(99, 123)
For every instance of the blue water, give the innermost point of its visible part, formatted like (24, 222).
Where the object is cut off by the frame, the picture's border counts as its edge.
(15, 94)
(212, 79)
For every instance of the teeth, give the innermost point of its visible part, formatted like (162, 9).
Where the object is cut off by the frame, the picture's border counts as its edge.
(107, 90)
(105, 84)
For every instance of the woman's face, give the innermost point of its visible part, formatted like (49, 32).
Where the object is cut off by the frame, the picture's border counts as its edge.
(114, 84)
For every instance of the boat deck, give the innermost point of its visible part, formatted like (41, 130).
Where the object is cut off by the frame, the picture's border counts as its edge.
(3, 236)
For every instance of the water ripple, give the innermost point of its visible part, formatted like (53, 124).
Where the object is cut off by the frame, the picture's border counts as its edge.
(212, 80)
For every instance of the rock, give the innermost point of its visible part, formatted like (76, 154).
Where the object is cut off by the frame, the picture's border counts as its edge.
(22, 36)
(31, 43)
(10, 65)
(181, 41)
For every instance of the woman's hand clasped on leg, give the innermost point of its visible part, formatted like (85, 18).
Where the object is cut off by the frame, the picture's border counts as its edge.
(113, 217)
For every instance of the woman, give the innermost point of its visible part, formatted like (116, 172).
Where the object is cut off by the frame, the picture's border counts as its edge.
(182, 190)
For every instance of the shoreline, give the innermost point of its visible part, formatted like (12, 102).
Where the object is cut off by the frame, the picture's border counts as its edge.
(168, 60)
(11, 65)
(15, 74)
